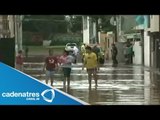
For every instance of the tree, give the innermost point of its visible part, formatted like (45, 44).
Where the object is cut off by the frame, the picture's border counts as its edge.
(45, 24)
(74, 23)
(105, 22)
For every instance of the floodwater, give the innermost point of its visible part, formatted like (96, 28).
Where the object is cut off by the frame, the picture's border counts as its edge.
(123, 85)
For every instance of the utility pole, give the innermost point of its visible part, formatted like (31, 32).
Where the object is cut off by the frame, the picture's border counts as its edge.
(18, 32)
(115, 30)
(15, 32)
(97, 29)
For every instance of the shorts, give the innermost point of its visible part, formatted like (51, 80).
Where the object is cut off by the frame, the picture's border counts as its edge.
(19, 67)
(49, 74)
(67, 72)
(92, 71)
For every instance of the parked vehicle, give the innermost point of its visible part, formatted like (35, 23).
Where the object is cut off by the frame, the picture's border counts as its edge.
(73, 49)
(70, 46)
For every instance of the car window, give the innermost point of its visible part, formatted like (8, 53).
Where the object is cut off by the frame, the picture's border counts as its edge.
(71, 44)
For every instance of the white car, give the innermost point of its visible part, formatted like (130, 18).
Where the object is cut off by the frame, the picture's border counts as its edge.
(71, 46)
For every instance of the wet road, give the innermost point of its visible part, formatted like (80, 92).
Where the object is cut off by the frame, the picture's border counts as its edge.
(124, 85)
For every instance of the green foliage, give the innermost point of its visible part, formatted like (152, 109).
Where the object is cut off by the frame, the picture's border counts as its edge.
(75, 23)
(45, 24)
(57, 39)
(28, 39)
(105, 19)
(63, 39)
(44, 17)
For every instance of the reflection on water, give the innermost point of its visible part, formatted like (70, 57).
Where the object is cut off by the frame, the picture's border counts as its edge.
(147, 84)
(114, 72)
(116, 86)
(154, 88)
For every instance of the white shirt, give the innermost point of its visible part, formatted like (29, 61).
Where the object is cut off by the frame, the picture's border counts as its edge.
(75, 52)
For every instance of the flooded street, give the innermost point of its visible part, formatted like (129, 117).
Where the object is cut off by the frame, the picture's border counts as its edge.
(124, 85)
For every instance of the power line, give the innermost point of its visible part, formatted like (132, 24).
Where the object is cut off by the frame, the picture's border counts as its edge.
(27, 20)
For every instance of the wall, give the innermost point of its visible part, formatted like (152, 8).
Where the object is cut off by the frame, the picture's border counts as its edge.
(92, 31)
(154, 23)
(120, 56)
(85, 30)
(137, 59)
(110, 40)
(103, 43)
(154, 34)
(146, 50)
(103, 40)
(152, 50)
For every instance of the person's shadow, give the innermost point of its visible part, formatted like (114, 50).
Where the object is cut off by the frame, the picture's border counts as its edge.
(114, 74)
(67, 89)
(92, 95)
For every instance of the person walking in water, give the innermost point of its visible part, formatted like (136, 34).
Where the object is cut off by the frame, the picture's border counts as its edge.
(50, 66)
(19, 60)
(83, 51)
(67, 61)
(114, 52)
(90, 62)
(26, 51)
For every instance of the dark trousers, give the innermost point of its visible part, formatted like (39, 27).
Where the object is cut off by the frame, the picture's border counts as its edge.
(114, 59)
(130, 61)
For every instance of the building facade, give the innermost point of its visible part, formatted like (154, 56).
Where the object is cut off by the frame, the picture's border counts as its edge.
(10, 37)
(154, 32)
(89, 30)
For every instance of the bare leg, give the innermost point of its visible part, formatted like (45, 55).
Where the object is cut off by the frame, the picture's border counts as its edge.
(47, 76)
(51, 81)
(64, 85)
(46, 80)
(95, 76)
(68, 81)
(98, 66)
(89, 79)
(64, 82)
